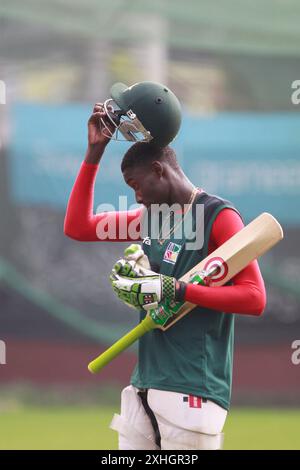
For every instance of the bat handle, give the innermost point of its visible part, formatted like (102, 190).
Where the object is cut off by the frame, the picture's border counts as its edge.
(97, 364)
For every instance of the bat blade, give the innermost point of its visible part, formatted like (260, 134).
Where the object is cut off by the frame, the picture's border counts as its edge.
(218, 268)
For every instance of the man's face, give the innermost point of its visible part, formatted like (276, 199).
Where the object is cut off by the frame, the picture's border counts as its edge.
(147, 183)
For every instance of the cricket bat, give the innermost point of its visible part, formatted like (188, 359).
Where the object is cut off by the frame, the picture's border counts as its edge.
(215, 270)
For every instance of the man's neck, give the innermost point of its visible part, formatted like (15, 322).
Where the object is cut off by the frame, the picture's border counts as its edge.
(181, 189)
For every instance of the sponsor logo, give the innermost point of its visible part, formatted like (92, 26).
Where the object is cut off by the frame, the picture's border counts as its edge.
(193, 401)
(216, 270)
(171, 253)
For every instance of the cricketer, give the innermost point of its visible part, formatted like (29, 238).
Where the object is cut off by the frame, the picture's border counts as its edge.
(179, 392)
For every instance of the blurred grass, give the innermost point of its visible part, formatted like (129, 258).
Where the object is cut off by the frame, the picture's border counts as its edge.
(262, 429)
(87, 428)
(57, 428)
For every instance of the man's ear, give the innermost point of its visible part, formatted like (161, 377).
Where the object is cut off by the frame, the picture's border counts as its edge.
(157, 168)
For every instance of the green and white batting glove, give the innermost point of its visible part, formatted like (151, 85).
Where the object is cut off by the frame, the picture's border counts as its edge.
(130, 268)
(138, 286)
(143, 291)
(135, 262)
(135, 253)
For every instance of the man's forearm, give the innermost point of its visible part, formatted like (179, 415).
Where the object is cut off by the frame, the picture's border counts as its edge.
(94, 153)
(248, 298)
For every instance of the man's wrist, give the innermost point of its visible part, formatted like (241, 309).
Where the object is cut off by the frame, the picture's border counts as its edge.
(180, 289)
(94, 153)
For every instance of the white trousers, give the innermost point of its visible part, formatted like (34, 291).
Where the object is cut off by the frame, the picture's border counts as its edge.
(184, 422)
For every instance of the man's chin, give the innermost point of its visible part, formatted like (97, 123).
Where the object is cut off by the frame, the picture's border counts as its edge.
(150, 205)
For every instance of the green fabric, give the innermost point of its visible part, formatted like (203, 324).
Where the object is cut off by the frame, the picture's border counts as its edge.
(194, 356)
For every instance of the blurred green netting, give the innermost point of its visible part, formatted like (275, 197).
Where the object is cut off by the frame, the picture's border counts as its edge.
(68, 315)
(251, 26)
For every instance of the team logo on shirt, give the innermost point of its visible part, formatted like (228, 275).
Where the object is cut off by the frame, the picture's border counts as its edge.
(171, 253)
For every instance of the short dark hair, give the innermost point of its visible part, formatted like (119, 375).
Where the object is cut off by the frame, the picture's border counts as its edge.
(143, 153)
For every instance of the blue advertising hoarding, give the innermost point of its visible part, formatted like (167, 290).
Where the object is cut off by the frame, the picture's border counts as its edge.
(251, 159)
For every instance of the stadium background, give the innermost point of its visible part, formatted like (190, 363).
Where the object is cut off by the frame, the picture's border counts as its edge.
(232, 64)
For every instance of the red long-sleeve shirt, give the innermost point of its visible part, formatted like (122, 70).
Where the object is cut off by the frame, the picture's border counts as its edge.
(246, 296)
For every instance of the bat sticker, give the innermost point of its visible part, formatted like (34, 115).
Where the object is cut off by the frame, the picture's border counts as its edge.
(216, 269)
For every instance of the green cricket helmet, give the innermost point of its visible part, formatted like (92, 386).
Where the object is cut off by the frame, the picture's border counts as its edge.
(145, 111)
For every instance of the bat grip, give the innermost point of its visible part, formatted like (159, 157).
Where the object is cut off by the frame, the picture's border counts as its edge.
(123, 343)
